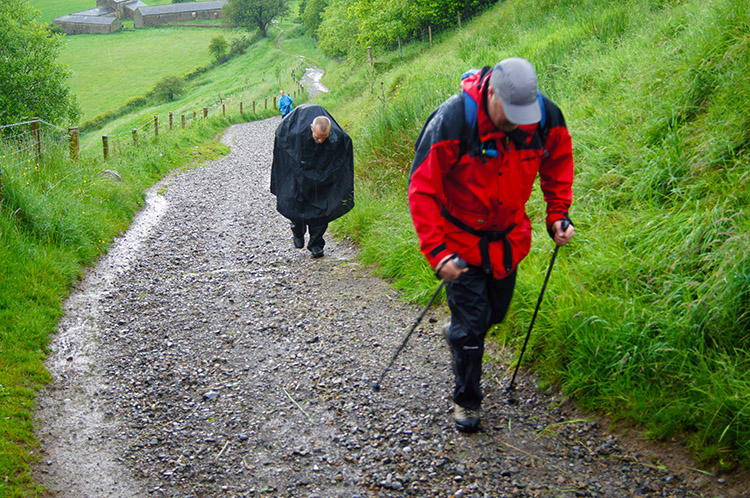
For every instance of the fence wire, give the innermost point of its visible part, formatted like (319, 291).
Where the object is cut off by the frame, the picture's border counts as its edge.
(26, 145)
(23, 147)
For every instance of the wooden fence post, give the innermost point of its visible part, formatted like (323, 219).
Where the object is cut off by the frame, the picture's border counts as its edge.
(223, 109)
(205, 112)
(240, 107)
(36, 132)
(105, 146)
(369, 55)
(429, 30)
(74, 136)
(459, 20)
(266, 105)
(156, 125)
(194, 113)
(274, 102)
(170, 120)
(183, 121)
(253, 106)
(135, 137)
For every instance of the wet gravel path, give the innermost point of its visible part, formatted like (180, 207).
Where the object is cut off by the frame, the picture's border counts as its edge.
(205, 356)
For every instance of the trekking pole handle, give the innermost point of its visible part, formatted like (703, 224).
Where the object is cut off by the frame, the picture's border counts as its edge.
(459, 262)
(564, 226)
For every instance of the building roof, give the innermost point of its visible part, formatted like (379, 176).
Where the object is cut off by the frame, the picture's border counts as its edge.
(87, 19)
(132, 5)
(174, 8)
(96, 11)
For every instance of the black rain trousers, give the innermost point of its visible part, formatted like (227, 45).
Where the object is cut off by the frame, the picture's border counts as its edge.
(477, 301)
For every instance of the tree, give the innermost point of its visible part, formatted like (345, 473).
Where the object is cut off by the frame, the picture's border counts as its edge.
(338, 30)
(169, 87)
(32, 82)
(312, 15)
(254, 13)
(218, 48)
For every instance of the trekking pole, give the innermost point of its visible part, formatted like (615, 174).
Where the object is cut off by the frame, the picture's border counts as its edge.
(510, 387)
(376, 385)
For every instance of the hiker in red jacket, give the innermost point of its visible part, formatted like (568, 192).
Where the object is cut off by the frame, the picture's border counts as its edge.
(476, 162)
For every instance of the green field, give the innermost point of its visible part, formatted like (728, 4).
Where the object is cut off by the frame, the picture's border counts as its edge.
(109, 69)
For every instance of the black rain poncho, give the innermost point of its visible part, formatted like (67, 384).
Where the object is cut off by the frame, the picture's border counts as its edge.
(312, 182)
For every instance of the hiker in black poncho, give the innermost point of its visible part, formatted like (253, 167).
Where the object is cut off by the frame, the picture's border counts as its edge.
(312, 175)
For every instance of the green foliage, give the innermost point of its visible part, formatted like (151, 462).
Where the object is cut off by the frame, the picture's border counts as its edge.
(196, 71)
(169, 87)
(239, 46)
(98, 121)
(32, 82)
(218, 48)
(312, 15)
(337, 30)
(135, 102)
(348, 27)
(252, 14)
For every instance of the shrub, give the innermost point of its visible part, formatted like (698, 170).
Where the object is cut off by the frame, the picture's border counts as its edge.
(196, 71)
(169, 87)
(135, 102)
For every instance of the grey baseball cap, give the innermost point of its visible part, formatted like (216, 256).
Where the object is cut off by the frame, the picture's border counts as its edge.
(514, 81)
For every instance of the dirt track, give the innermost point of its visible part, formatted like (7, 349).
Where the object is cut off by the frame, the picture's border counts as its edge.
(205, 356)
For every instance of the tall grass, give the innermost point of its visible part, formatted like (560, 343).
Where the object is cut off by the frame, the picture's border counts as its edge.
(647, 316)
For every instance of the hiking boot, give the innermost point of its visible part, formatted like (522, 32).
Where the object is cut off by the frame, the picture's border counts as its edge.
(447, 332)
(317, 252)
(466, 420)
(299, 242)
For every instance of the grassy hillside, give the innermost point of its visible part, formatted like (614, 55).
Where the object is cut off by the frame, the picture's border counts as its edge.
(646, 316)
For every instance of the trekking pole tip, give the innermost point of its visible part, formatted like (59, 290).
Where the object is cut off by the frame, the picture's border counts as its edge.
(376, 386)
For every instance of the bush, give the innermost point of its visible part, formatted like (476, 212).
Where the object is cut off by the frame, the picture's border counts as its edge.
(218, 48)
(135, 102)
(239, 45)
(98, 121)
(196, 71)
(169, 87)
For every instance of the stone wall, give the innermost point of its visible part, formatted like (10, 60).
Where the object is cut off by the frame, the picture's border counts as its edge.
(73, 25)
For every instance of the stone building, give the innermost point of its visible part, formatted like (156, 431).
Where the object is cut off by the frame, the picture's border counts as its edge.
(107, 15)
(74, 24)
(124, 8)
(177, 12)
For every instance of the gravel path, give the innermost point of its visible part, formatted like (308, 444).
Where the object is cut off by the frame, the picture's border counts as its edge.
(204, 356)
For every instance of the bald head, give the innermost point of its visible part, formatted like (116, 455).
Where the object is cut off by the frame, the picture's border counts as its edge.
(321, 128)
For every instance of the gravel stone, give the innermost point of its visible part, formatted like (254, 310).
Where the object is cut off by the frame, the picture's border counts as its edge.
(205, 356)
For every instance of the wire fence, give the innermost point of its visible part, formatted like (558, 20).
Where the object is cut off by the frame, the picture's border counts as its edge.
(26, 145)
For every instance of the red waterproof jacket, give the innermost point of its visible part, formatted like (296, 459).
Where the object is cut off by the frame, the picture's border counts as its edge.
(465, 201)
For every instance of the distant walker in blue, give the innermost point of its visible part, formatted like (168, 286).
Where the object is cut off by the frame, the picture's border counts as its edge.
(285, 104)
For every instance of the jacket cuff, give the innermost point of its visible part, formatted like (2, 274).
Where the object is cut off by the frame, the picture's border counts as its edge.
(435, 261)
(552, 218)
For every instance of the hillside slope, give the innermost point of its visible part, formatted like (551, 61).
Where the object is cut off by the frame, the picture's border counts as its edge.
(646, 317)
